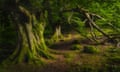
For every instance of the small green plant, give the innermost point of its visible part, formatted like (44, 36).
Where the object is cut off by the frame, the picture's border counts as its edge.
(75, 47)
(90, 49)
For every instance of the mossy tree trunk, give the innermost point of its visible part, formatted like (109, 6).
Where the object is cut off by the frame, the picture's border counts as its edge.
(57, 34)
(31, 45)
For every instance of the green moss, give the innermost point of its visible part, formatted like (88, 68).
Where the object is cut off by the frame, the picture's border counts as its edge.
(45, 54)
(69, 57)
(76, 47)
(90, 49)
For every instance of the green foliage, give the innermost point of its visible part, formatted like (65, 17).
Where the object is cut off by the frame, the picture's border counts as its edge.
(108, 10)
(79, 26)
(90, 49)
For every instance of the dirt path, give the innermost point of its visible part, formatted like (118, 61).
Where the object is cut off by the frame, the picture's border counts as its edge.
(66, 59)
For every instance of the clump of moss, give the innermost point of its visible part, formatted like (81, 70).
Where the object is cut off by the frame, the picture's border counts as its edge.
(76, 47)
(69, 57)
(90, 49)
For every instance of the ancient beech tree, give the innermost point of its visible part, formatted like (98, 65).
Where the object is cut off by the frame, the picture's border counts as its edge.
(30, 18)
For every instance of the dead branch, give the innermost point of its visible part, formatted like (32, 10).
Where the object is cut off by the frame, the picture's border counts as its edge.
(88, 17)
(95, 26)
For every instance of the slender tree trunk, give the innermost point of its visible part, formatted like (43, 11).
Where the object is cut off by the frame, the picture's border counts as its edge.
(58, 34)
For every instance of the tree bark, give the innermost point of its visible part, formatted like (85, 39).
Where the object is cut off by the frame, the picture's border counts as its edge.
(31, 45)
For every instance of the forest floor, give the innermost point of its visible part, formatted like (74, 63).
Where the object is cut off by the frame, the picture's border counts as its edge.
(69, 56)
